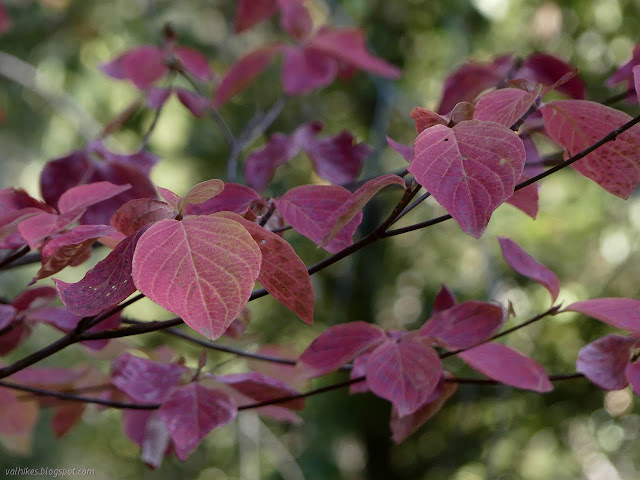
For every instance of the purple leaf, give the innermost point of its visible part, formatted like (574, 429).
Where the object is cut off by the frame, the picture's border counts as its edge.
(251, 12)
(526, 265)
(34, 298)
(195, 103)
(359, 369)
(137, 213)
(424, 118)
(547, 69)
(295, 18)
(604, 360)
(337, 159)
(405, 373)
(234, 198)
(194, 62)
(505, 106)
(339, 345)
(444, 299)
(191, 412)
(507, 366)
(305, 69)
(625, 72)
(157, 97)
(144, 380)
(632, 372)
(469, 169)
(405, 150)
(623, 313)
(259, 388)
(144, 65)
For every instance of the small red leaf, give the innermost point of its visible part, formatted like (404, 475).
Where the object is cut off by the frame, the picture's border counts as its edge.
(507, 366)
(526, 199)
(623, 313)
(137, 213)
(337, 159)
(144, 380)
(144, 65)
(37, 228)
(505, 106)
(195, 103)
(405, 150)
(250, 12)
(339, 345)
(405, 373)
(632, 372)
(234, 198)
(444, 299)
(171, 198)
(424, 118)
(526, 265)
(604, 360)
(194, 62)
(201, 193)
(259, 387)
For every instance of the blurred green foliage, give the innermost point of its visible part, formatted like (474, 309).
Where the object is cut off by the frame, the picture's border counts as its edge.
(588, 237)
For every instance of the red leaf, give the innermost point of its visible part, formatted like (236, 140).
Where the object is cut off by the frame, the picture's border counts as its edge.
(424, 119)
(444, 300)
(201, 192)
(66, 416)
(195, 103)
(234, 198)
(171, 198)
(604, 360)
(37, 228)
(250, 12)
(405, 150)
(348, 45)
(547, 69)
(359, 369)
(34, 298)
(526, 199)
(305, 69)
(526, 265)
(202, 269)
(402, 427)
(137, 213)
(464, 325)
(144, 380)
(405, 373)
(191, 412)
(16, 417)
(157, 97)
(343, 215)
(337, 159)
(243, 72)
(505, 106)
(507, 366)
(576, 124)
(623, 313)
(282, 273)
(295, 18)
(7, 314)
(144, 65)
(307, 208)
(632, 372)
(105, 285)
(194, 62)
(84, 196)
(259, 388)
(339, 345)
(469, 169)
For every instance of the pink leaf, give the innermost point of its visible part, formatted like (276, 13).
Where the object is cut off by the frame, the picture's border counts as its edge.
(105, 285)
(282, 273)
(405, 150)
(305, 69)
(259, 388)
(34, 298)
(469, 169)
(84, 196)
(547, 69)
(359, 369)
(424, 118)
(623, 313)
(444, 300)
(337, 159)
(636, 80)
(507, 366)
(37, 228)
(157, 97)
(137, 213)
(144, 65)
(405, 373)
(243, 72)
(464, 325)
(632, 372)
(505, 106)
(66, 248)
(295, 18)
(339, 345)
(194, 62)
(201, 193)
(234, 198)
(307, 208)
(604, 360)
(191, 412)
(403, 427)
(16, 416)
(526, 265)
(202, 269)
(576, 124)
(171, 198)
(354, 205)
(144, 380)
(348, 45)
(526, 199)
(195, 103)
(250, 12)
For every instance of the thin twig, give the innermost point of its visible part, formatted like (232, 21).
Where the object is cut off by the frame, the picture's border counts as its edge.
(21, 252)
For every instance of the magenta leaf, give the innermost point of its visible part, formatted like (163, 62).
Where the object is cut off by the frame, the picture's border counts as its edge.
(196, 104)
(105, 285)
(295, 18)
(623, 313)
(632, 372)
(171, 198)
(405, 373)
(337, 159)
(359, 369)
(604, 360)
(144, 380)
(625, 73)
(137, 213)
(34, 298)
(282, 273)
(234, 198)
(507, 366)
(405, 150)
(144, 65)
(636, 80)
(444, 300)
(200, 193)
(424, 118)
(339, 345)
(343, 215)
(305, 69)
(243, 72)
(403, 427)
(259, 388)
(194, 62)
(37, 228)
(307, 208)
(464, 325)
(145, 428)
(576, 124)
(548, 70)
(7, 314)
(348, 45)
(505, 106)
(5, 19)
(251, 12)
(526, 265)
(84, 196)
(526, 199)
(200, 268)
(469, 169)
(191, 412)
(157, 97)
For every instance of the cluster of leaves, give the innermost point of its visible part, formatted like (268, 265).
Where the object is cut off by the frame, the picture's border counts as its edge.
(200, 255)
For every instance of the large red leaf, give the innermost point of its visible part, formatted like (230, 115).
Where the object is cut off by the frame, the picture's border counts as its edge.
(339, 345)
(137, 213)
(505, 106)
(469, 169)
(507, 366)
(604, 360)
(405, 373)
(202, 269)
(464, 325)
(577, 124)
(623, 313)
(191, 412)
(526, 265)
(341, 217)
(144, 380)
(307, 208)
(282, 273)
